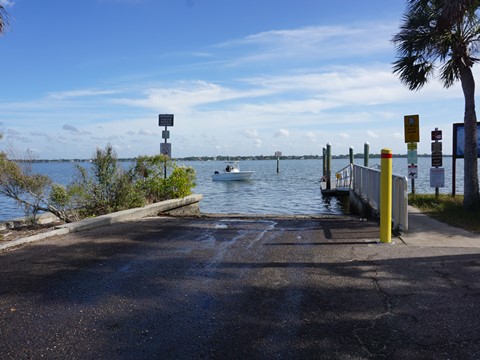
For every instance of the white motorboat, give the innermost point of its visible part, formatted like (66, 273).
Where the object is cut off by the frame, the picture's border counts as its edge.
(232, 172)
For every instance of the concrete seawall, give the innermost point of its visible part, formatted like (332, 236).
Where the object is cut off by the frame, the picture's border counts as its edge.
(187, 206)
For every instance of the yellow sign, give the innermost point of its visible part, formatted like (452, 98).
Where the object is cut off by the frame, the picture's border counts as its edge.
(412, 128)
(412, 146)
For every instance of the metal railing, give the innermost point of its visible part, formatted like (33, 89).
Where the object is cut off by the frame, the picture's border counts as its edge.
(365, 182)
(343, 178)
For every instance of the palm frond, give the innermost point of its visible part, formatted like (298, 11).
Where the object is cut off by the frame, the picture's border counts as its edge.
(449, 73)
(3, 20)
(413, 71)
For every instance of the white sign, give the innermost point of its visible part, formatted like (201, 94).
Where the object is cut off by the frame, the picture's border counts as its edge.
(412, 171)
(412, 157)
(437, 177)
(166, 149)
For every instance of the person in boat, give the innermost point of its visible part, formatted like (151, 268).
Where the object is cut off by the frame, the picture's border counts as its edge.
(228, 168)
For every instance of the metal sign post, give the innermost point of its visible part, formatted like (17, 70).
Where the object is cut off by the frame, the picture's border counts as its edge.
(437, 173)
(412, 137)
(165, 148)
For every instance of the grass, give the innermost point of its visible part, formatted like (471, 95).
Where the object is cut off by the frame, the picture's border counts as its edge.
(447, 209)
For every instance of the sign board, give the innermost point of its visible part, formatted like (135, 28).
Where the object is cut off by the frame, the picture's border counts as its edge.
(412, 128)
(412, 171)
(412, 146)
(165, 134)
(436, 135)
(437, 177)
(278, 153)
(412, 157)
(165, 120)
(459, 140)
(436, 147)
(437, 159)
(166, 149)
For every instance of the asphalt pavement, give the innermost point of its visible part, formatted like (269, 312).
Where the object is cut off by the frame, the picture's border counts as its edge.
(234, 287)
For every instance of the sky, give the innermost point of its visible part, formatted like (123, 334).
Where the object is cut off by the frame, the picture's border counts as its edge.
(241, 77)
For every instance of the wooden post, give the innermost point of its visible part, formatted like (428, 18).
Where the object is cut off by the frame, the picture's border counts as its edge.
(329, 164)
(324, 163)
(366, 154)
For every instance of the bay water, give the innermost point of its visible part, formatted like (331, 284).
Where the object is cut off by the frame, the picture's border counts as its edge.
(295, 189)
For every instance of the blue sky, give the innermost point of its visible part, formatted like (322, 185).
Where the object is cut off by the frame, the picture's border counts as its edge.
(245, 77)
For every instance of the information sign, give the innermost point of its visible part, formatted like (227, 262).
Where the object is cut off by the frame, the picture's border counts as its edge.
(165, 134)
(165, 120)
(437, 177)
(412, 171)
(412, 128)
(412, 146)
(437, 159)
(437, 147)
(436, 135)
(412, 157)
(166, 149)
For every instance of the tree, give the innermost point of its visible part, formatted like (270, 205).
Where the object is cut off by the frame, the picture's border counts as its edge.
(441, 37)
(29, 190)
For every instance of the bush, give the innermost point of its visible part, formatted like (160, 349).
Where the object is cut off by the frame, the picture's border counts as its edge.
(103, 188)
(106, 187)
(148, 172)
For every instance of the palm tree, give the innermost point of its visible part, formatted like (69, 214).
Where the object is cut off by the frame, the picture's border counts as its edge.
(441, 37)
(3, 26)
(3, 20)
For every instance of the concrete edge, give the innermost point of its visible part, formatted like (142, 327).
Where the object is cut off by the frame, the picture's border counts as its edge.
(33, 238)
(125, 215)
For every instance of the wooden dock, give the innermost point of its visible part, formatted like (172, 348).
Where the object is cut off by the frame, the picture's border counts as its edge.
(333, 191)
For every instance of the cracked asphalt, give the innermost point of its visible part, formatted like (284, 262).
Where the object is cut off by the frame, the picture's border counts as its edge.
(237, 288)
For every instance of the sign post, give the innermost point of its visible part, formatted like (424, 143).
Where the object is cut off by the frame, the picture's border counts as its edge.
(165, 148)
(278, 154)
(437, 173)
(412, 137)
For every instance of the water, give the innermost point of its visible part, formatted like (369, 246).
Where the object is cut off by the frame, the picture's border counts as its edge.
(294, 190)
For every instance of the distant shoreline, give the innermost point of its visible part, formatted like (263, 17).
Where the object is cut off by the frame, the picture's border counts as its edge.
(228, 158)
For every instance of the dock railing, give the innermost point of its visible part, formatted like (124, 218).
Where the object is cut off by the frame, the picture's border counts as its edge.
(366, 185)
(343, 178)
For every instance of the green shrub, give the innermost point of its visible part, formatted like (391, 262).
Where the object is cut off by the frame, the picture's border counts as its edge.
(106, 187)
(148, 172)
(103, 188)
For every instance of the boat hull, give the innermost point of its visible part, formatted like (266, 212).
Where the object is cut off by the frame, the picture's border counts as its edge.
(232, 176)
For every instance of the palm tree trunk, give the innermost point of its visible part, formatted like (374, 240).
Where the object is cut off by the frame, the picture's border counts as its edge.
(471, 190)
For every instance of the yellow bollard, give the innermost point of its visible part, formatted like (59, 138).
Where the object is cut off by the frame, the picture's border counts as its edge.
(386, 197)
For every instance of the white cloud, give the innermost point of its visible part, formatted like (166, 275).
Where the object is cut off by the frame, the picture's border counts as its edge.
(7, 3)
(344, 136)
(372, 134)
(187, 95)
(314, 42)
(80, 93)
(146, 132)
(282, 133)
(75, 130)
(251, 133)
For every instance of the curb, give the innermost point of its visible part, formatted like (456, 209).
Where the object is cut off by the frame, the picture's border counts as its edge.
(108, 219)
